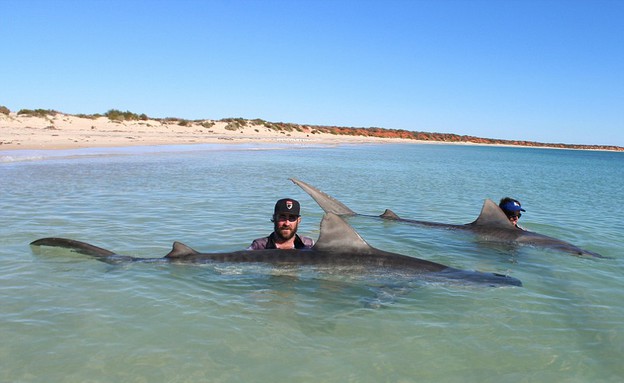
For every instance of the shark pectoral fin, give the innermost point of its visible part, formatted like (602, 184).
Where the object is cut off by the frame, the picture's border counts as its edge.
(325, 201)
(180, 250)
(389, 214)
(492, 215)
(338, 235)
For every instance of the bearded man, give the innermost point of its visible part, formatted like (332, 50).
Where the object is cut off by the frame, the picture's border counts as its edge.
(286, 218)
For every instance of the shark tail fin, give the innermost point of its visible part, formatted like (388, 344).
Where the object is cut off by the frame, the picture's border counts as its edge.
(180, 250)
(389, 214)
(73, 245)
(337, 235)
(325, 201)
(492, 215)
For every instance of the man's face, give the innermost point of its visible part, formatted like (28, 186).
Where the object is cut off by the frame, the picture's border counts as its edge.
(286, 225)
(513, 216)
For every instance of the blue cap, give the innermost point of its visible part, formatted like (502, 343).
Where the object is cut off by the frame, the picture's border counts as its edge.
(512, 206)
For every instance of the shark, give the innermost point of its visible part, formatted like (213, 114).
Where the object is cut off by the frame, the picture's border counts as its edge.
(491, 225)
(339, 248)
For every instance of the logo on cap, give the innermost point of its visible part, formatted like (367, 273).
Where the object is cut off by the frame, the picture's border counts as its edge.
(289, 205)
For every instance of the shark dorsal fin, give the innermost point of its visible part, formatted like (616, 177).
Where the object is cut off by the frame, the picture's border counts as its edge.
(325, 201)
(389, 214)
(337, 235)
(492, 215)
(180, 250)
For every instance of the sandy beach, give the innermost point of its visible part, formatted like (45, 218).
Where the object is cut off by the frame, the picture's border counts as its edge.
(63, 131)
(50, 130)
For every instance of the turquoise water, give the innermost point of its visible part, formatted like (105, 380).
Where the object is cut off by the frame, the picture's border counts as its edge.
(67, 318)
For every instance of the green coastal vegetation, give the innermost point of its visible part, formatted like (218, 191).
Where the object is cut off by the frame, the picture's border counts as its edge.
(239, 123)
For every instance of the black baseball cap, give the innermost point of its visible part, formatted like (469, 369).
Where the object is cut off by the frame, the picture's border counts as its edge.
(287, 206)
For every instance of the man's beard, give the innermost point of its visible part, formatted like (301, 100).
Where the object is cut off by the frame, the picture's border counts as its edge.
(285, 236)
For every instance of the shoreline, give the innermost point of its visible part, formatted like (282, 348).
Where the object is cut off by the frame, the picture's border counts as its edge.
(63, 132)
(58, 131)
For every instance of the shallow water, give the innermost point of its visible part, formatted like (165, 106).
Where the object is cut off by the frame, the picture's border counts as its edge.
(65, 317)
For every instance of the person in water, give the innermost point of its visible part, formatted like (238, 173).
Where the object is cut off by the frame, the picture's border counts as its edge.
(512, 209)
(286, 219)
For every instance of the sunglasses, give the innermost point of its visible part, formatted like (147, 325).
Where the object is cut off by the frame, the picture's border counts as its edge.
(289, 218)
(514, 215)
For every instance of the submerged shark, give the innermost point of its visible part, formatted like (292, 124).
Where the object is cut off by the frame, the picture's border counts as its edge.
(339, 247)
(492, 224)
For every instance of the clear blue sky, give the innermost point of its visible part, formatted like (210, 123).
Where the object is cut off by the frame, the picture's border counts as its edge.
(548, 71)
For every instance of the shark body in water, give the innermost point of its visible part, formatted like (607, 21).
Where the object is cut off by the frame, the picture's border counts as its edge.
(492, 224)
(338, 248)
